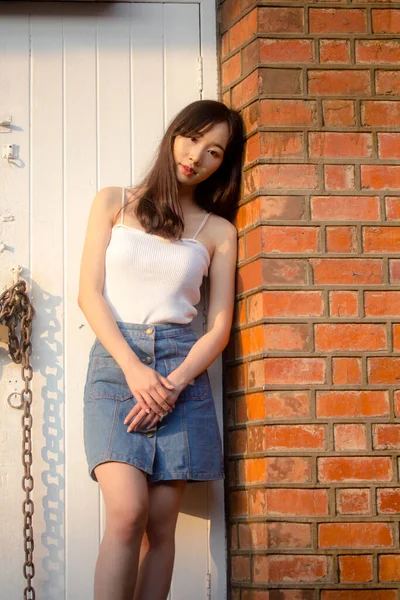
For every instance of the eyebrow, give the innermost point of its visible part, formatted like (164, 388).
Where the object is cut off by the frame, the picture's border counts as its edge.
(219, 146)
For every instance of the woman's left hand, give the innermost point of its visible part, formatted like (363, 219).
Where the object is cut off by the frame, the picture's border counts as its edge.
(139, 417)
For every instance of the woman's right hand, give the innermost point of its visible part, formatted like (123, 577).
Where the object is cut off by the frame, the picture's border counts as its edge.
(150, 389)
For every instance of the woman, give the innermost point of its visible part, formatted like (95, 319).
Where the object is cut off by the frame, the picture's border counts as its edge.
(149, 417)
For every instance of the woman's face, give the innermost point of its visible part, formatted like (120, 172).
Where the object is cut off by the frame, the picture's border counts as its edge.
(199, 156)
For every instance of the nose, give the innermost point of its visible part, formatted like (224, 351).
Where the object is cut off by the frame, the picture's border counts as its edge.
(195, 158)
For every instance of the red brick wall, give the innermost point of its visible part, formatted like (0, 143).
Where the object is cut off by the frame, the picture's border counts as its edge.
(313, 366)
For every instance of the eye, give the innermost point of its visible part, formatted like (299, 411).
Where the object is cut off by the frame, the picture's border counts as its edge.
(213, 153)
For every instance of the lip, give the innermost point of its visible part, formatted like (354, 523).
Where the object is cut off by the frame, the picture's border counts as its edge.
(188, 170)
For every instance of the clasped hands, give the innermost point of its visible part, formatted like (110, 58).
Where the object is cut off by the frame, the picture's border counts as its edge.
(156, 396)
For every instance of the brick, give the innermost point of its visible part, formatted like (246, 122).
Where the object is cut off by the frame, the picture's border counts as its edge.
(230, 10)
(337, 20)
(295, 370)
(345, 208)
(250, 55)
(386, 437)
(355, 569)
(377, 51)
(338, 83)
(286, 51)
(234, 540)
(389, 567)
(256, 439)
(290, 569)
(381, 239)
(290, 337)
(339, 177)
(346, 370)
(347, 271)
(231, 69)
(389, 501)
(295, 437)
(356, 468)
(355, 535)
(350, 437)
(341, 239)
(352, 403)
(338, 113)
(389, 145)
(277, 594)
(285, 144)
(248, 89)
(281, 20)
(237, 441)
(334, 51)
(287, 238)
(288, 469)
(251, 407)
(394, 271)
(382, 304)
(284, 270)
(282, 82)
(250, 116)
(340, 145)
(252, 470)
(385, 20)
(287, 113)
(243, 30)
(274, 535)
(239, 503)
(297, 502)
(284, 176)
(350, 337)
(250, 276)
(236, 378)
(292, 303)
(392, 208)
(240, 568)
(287, 404)
(257, 502)
(359, 595)
(343, 304)
(353, 502)
(380, 113)
(383, 369)
(251, 180)
(387, 82)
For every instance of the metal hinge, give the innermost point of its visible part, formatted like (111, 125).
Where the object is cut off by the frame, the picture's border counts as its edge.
(208, 584)
(200, 73)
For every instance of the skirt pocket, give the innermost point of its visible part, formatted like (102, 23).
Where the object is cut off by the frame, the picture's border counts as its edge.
(108, 381)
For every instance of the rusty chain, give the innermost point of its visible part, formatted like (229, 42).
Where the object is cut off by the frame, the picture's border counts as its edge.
(16, 309)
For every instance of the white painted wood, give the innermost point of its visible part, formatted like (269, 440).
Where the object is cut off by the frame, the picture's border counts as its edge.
(101, 85)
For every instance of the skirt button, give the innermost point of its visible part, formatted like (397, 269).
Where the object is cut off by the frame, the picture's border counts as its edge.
(148, 359)
(149, 331)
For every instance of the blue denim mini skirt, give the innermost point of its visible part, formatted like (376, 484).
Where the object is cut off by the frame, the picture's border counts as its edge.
(187, 442)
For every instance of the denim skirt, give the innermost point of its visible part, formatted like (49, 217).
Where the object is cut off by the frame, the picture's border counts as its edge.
(187, 442)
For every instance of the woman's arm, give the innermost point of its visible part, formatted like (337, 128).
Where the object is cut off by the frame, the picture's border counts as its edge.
(98, 313)
(222, 274)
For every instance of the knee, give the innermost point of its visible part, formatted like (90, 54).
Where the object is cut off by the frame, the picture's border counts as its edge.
(127, 524)
(160, 533)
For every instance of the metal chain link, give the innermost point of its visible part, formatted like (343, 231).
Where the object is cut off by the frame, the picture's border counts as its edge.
(16, 309)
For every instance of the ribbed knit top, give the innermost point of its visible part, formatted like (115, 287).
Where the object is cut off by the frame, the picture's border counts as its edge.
(151, 279)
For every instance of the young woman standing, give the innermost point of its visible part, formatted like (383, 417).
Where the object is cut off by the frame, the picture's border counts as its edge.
(149, 417)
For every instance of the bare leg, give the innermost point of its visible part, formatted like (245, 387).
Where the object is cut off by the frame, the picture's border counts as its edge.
(158, 546)
(125, 493)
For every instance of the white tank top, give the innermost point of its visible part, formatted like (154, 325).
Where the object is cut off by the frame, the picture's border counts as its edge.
(151, 279)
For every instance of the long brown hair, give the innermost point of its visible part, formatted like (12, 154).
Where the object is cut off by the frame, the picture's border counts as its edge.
(157, 206)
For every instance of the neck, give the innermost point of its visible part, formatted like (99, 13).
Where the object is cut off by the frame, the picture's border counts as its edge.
(186, 196)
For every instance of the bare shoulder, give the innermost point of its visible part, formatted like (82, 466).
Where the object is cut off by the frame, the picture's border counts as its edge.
(223, 231)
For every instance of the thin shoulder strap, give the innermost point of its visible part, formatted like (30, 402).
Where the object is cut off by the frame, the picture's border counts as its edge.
(122, 211)
(201, 225)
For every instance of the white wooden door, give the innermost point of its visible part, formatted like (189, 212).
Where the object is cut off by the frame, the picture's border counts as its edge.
(91, 88)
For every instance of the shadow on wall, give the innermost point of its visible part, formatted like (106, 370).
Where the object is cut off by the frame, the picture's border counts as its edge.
(45, 343)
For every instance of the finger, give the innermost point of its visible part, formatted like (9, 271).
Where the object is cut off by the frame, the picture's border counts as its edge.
(135, 410)
(155, 407)
(166, 383)
(161, 402)
(138, 420)
(143, 402)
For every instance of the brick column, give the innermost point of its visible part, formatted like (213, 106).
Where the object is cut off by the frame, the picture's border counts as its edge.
(313, 366)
